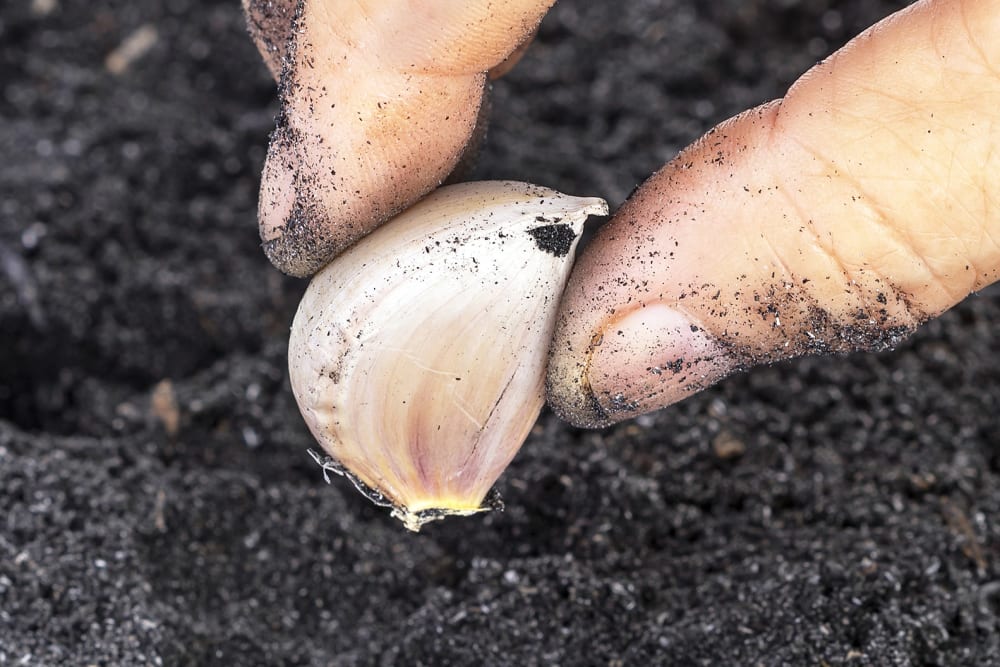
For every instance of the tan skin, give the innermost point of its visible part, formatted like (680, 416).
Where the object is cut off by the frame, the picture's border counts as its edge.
(863, 203)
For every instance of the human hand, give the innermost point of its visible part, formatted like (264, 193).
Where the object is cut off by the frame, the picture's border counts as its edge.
(836, 219)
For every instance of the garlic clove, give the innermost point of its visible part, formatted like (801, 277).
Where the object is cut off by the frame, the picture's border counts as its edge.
(418, 356)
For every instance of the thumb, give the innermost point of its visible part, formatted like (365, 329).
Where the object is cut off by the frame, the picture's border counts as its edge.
(834, 220)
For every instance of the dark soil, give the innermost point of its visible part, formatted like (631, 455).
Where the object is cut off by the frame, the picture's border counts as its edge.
(158, 506)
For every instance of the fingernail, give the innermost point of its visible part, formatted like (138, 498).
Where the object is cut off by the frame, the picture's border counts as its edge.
(652, 357)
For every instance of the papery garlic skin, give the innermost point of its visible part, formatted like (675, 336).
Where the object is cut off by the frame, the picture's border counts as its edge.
(418, 356)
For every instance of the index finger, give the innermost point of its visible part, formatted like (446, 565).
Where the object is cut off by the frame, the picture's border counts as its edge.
(378, 101)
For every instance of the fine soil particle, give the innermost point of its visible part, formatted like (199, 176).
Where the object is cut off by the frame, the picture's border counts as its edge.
(158, 504)
(555, 239)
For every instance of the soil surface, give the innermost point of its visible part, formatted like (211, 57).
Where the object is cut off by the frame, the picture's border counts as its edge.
(158, 505)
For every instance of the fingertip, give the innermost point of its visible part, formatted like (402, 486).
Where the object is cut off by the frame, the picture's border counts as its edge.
(300, 252)
(297, 231)
(353, 150)
(277, 186)
(298, 239)
(650, 357)
(354, 146)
